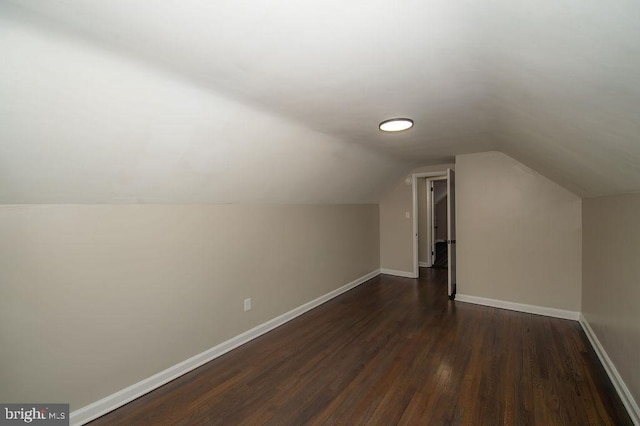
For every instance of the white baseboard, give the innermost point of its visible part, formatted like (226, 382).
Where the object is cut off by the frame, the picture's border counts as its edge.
(120, 398)
(424, 264)
(403, 274)
(623, 391)
(520, 307)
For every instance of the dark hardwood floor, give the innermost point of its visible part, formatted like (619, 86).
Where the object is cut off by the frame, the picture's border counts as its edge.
(395, 351)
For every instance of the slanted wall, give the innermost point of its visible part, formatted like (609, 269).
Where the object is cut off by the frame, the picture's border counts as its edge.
(519, 235)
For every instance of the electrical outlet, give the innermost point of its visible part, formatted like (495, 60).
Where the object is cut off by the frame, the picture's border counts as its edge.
(407, 215)
(247, 304)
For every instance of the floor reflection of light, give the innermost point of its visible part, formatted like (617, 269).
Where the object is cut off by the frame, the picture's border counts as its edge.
(444, 373)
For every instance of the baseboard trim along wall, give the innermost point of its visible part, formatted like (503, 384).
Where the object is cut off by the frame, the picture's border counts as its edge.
(623, 391)
(403, 274)
(424, 264)
(120, 398)
(520, 307)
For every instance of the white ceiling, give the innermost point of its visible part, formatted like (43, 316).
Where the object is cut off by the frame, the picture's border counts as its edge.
(238, 101)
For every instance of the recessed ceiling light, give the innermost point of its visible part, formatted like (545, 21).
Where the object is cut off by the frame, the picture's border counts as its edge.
(396, 124)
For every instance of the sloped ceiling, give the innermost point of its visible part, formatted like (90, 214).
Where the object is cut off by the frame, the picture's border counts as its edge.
(236, 101)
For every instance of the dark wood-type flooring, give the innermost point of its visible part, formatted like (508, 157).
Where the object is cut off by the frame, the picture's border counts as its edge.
(442, 256)
(395, 351)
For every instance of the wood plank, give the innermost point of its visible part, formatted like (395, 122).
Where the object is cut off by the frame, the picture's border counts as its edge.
(395, 351)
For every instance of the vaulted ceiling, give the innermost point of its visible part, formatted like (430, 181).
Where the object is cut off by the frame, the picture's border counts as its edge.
(262, 101)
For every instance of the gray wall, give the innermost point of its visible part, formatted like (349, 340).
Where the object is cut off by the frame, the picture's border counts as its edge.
(611, 285)
(519, 235)
(96, 298)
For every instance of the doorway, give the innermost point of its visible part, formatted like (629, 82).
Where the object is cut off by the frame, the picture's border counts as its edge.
(434, 224)
(436, 217)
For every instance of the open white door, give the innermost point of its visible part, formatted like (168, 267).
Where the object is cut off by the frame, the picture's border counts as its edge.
(451, 231)
(431, 221)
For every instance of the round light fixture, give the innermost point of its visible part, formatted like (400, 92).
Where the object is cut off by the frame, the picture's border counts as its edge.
(396, 124)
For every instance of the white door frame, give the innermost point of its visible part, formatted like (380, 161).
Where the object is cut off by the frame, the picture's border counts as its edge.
(415, 176)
